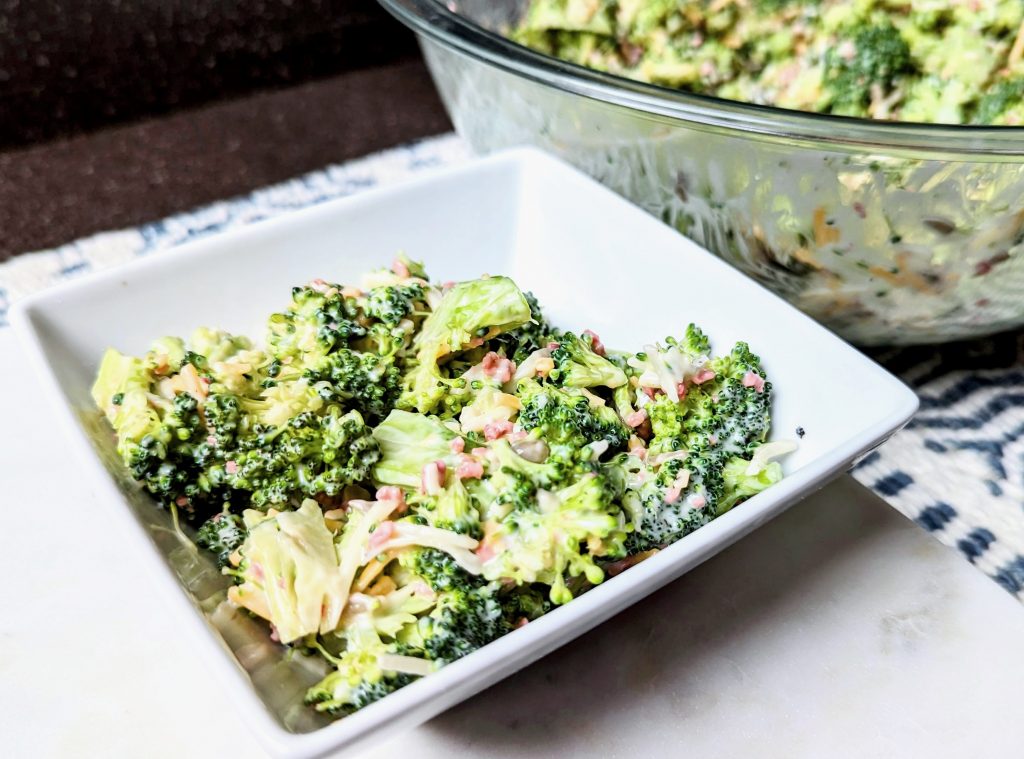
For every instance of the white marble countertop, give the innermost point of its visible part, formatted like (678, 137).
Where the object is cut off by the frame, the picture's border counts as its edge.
(840, 630)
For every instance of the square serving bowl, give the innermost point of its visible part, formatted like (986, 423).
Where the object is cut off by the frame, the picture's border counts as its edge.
(593, 260)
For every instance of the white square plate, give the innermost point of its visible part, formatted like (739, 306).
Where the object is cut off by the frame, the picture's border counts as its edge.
(592, 259)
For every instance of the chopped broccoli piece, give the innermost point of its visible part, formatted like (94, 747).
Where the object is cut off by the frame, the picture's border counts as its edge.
(559, 537)
(568, 420)
(880, 56)
(576, 365)
(221, 535)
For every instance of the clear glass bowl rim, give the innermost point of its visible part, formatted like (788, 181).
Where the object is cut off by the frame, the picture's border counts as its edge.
(434, 20)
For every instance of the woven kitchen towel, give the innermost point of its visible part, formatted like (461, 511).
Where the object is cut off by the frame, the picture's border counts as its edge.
(957, 469)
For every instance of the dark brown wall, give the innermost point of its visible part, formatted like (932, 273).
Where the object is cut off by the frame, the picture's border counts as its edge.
(68, 66)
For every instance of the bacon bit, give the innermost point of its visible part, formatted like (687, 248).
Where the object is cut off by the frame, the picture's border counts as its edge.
(205, 380)
(522, 622)
(399, 268)
(860, 210)
(181, 500)
(469, 469)
(231, 467)
(476, 342)
(273, 634)
(211, 440)
(595, 342)
(390, 493)
(713, 439)
(756, 381)
(498, 367)
(485, 552)
(497, 430)
(649, 392)
(446, 286)
(319, 285)
(699, 502)
(552, 346)
(458, 445)
(702, 376)
(381, 535)
(432, 477)
(681, 390)
(636, 418)
(672, 494)
(847, 50)
(480, 452)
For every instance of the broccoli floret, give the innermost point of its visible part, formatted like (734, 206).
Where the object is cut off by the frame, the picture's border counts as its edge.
(466, 615)
(724, 417)
(559, 538)
(463, 619)
(319, 320)
(524, 603)
(358, 679)
(310, 455)
(567, 420)
(367, 382)
(469, 314)
(880, 56)
(577, 365)
(392, 303)
(1003, 99)
(454, 510)
(221, 535)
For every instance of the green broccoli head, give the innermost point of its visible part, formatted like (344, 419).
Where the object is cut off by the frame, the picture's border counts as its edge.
(392, 303)
(1001, 104)
(367, 382)
(463, 619)
(878, 56)
(559, 538)
(468, 315)
(309, 456)
(567, 420)
(221, 535)
(358, 679)
(319, 320)
(453, 509)
(577, 365)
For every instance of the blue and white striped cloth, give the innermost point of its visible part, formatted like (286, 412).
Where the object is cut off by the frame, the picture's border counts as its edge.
(957, 469)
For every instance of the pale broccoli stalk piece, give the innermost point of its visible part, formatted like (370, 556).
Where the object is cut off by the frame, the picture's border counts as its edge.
(744, 478)
(408, 442)
(577, 365)
(469, 314)
(290, 572)
(559, 538)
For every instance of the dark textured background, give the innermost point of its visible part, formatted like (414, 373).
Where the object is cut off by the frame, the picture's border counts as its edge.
(114, 113)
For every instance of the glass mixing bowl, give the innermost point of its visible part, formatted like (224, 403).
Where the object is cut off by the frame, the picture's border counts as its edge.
(889, 233)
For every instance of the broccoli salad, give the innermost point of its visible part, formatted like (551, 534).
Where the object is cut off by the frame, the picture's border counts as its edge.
(406, 471)
(958, 62)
